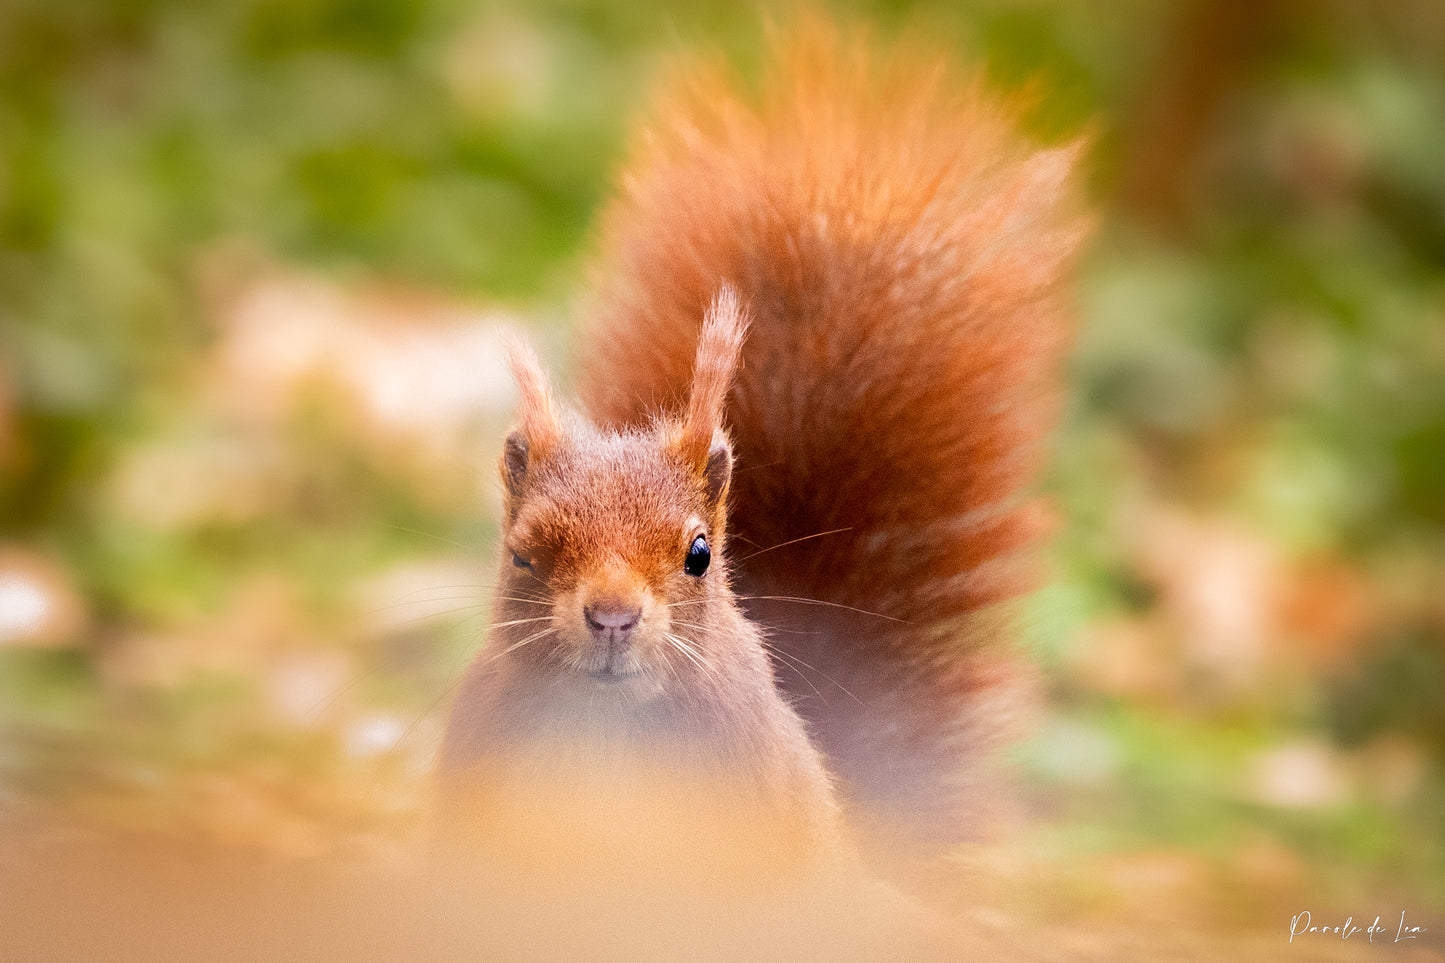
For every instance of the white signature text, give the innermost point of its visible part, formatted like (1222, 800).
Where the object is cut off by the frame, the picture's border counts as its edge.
(1300, 924)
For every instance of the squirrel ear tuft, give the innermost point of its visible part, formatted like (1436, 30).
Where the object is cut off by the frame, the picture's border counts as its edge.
(540, 429)
(718, 348)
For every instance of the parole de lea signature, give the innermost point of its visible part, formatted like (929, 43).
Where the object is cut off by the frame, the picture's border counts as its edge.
(1300, 925)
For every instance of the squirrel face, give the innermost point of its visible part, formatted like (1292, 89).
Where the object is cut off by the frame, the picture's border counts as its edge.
(617, 534)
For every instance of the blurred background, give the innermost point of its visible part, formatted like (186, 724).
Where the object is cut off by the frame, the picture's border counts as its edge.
(256, 257)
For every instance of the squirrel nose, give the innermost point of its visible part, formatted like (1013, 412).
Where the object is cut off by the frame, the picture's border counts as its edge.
(611, 620)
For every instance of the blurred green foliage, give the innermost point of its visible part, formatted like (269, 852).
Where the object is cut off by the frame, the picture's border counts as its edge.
(1262, 350)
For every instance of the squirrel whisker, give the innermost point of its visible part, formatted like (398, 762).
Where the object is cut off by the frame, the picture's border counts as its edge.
(794, 541)
(807, 665)
(528, 600)
(540, 618)
(487, 586)
(800, 674)
(689, 625)
(836, 605)
(461, 677)
(476, 610)
(529, 639)
(692, 654)
(440, 538)
(478, 599)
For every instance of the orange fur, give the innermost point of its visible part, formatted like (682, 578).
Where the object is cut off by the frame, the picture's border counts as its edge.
(719, 346)
(902, 253)
(623, 704)
(538, 412)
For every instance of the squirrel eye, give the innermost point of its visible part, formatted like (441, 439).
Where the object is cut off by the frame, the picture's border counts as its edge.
(698, 557)
(521, 562)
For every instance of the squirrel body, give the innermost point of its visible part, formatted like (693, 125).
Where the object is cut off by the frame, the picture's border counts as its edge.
(848, 426)
(623, 691)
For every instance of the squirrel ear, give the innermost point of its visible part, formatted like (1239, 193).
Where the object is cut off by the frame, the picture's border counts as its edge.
(719, 468)
(540, 429)
(514, 466)
(718, 348)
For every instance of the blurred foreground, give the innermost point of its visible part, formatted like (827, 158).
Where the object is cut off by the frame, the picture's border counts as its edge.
(256, 260)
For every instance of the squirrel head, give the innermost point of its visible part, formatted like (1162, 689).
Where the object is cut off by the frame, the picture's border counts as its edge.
(613, 537)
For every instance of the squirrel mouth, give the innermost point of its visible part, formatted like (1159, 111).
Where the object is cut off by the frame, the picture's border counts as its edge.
(616, 670)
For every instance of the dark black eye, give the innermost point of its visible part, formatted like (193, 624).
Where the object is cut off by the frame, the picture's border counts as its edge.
(697, 558)
(521, 562)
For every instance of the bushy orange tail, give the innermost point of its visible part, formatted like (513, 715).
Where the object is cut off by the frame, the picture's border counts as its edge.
(901, 252)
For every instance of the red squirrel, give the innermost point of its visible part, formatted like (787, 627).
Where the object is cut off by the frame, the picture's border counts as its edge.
(819, 357)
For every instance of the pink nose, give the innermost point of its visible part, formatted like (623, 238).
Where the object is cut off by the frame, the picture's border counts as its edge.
(611, 621)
